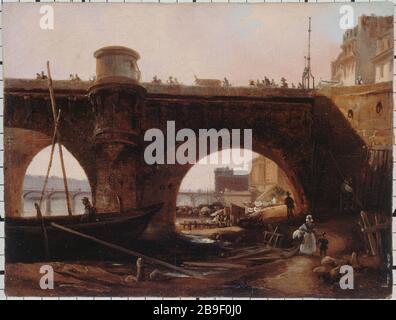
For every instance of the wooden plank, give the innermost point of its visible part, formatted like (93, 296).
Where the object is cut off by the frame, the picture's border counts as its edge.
(282, 254)
(264, 259)
(378, 233)
(377, 227)
(214, 265)
(250, 254)
(272, 236)
(370, 236)
(245, 249)
(125, 251)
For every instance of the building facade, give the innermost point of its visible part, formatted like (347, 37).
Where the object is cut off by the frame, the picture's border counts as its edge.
(266, 180)
(264, 172)
(228, 179)
(354, 64)
(383, 60)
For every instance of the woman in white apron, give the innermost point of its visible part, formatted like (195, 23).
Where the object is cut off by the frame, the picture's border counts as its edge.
(306, 233)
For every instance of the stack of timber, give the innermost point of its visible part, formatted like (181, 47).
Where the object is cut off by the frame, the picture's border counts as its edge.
(242, 258)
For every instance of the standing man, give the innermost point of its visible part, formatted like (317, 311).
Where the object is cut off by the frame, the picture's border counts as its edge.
(346, 196)
(289, 202)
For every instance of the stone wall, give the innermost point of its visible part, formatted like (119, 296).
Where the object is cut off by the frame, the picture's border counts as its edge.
(369, 110)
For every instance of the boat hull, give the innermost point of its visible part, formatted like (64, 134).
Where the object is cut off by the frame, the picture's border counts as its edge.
(25, 240)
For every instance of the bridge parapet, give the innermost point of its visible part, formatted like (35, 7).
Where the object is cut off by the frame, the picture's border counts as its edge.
(80, 88)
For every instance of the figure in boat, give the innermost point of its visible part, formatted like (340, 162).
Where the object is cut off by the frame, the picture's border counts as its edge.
(89, 209)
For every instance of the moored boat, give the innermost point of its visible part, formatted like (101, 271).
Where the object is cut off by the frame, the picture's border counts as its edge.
(25, 239)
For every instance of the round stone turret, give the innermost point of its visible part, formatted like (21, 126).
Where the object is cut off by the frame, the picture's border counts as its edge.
(117, 65)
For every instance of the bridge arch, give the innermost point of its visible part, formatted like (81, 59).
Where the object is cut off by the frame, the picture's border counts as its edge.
(173, 176)
(54, 200)
(296, 189)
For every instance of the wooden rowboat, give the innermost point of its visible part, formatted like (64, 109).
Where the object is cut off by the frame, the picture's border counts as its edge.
(25, 240)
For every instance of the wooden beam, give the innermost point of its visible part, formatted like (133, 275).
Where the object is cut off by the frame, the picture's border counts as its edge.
(251, 253)
(43, 231)
(213, 265)
(125, 251)
(377, 227)
(370, 236)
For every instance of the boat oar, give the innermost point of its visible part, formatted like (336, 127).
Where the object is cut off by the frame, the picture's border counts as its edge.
(125, 251)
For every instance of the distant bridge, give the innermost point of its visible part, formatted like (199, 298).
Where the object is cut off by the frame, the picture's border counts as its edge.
(30, 196)
(197, 198)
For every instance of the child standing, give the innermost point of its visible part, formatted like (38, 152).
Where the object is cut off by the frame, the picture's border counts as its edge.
(323, 244)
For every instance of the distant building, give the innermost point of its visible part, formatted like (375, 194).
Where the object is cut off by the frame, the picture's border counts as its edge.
(355, 63)
(266, 172)
(383, 60)
(227, 179)
(239, 198)
(266, 176)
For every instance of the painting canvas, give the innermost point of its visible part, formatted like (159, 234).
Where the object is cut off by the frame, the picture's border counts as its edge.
(198, 150)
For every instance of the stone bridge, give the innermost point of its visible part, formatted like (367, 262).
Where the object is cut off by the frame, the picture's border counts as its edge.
(33, 195)
(303, 131)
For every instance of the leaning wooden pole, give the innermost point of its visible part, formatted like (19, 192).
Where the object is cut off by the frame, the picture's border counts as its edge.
(55, 116)
(53, 143)
(43, 231)
(125, 251)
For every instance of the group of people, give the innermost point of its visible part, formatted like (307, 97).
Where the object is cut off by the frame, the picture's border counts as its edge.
(43, 76)
(306, 232)
(221, 217)
(171, 80)
(306, 235)
(174, 81)
(267, 83)
(74, 77)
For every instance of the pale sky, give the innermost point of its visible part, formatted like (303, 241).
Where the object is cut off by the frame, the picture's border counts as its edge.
(237, 41)
(39, 164)
(200, 176)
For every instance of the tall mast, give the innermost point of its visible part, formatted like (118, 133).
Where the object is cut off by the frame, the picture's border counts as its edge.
(56, 121)
(309, 49)
(307, 74)
(309, 44)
